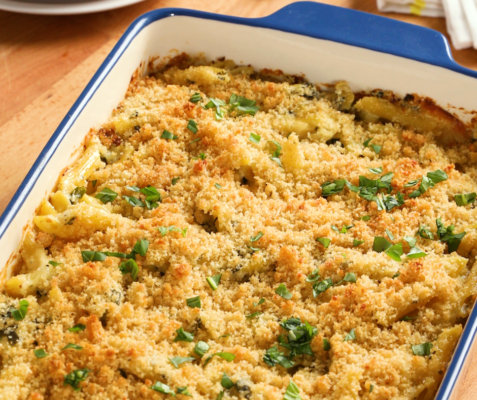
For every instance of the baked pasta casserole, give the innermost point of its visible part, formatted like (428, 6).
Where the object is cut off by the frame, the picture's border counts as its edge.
(231, 233)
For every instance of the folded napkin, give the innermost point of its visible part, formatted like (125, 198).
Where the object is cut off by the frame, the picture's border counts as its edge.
(461, 16)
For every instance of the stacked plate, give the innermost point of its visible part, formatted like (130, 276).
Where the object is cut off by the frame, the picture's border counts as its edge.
(62, 7)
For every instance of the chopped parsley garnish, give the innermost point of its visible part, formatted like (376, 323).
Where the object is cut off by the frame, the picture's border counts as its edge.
(350, 336)
(54, 263)
(282, 291)
(299, 337)
(357, 242)
(152, 197)
(423, 349)
(20, 314)
(202, 156)
(106, 195)
(140, 248)
(448, 236)
(134, 201)
(292, 392)
(242, 105)
(326, 345)
(176, 361)
(371, 387)
(129, 267)
(411, 183)
(253, 315)
(40, 353)
(395, 252)
(425, 232)
(163, 388)
(213, 281)
(375, 147)
(406, 318)
(322, 286)
(226, 356)
(376, 171)
(390, 235)
(324, 241)
(133, 188)
(201, 348)
(183, 336)
(349, 277)
(89, 255)
(195, 98)
(429, 181)
(165, 229)
(254, 138)
(74, 378)
(344, 229)
(216, 103)
(465, 198)
(314, 276)
(220, 396)
(72, 346)
(77, 328)
(195, 140)
(217, 186)
(261, 301)
(168, 135)
(416, 252)
(274, 356)
(396, 275)
(255, 238)
(194, 302)
(226, 382)
(276, 153)
(329, 188)
(183, 390)
(192, 126)
(380, 244)
(175, 180)
(366, 218)
(77, 194)
(94, 183)
(411, 241)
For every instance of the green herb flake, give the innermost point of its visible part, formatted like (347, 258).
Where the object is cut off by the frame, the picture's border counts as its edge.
(390, 235)
(448, 236)
(322, 286)
(350, 336)
(195, 140)
(324, 241)
(314, 276)
(133, 188)
(330, 188)
(192, 126)
(183, 390)
(326, 345)
(74, 378)
(380, 244)
(134, 201)
(94, 183)
(72, 346)
(40, 353)
(465, 198)
(350, 277)
(213, 281)
(357, 242)
(371, 387)
(183, 336)
(425, 232)
(376, 171)
(106, 195)
(376, 148)
(54, 263)
(416, 253)
(423, 349)
(255, 238)
(20, 314)
(195, 98)
(261, 301)
(406, 318)
(129, 267)
(273, 357)
(176, 361)
(194, 302)
(254, 138)
(411, 241)
(220, 396)
(217, 186)
(395, 252)
(175, 180)
(77, 194)
(168, 135)
(292, 392)
(299, 337)
(163, 388)
(253, 315)
(226, 382)
(282, 291)
(201, 348)
(77, 328)
(140, 247)
(89, 255)
(366, 218)
(224, 355)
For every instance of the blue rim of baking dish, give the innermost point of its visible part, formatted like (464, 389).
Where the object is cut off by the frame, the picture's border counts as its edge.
(311, 19)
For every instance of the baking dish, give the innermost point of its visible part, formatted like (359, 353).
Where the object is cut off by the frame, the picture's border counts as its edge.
(323, 42)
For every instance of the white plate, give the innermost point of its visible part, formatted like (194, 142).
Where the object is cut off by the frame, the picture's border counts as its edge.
(63, 7)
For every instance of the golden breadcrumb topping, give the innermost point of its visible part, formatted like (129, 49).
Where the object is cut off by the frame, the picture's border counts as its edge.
(244, 234)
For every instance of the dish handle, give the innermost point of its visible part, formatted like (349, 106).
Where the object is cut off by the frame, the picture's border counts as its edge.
(357, 28)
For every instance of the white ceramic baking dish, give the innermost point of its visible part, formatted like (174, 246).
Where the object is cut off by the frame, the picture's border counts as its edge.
(323, 42)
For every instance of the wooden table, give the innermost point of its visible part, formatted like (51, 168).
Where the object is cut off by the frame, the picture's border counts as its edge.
(45, 62)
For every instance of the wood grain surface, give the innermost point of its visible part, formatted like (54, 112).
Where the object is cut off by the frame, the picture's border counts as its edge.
(46, 61)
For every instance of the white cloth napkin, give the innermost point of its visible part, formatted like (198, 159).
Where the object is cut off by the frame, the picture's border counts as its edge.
(461, 16)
